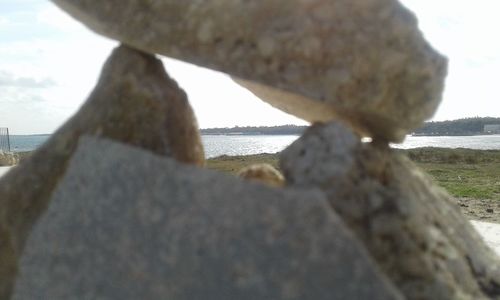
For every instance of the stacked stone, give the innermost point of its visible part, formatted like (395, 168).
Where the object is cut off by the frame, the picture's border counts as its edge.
(364, 62)
(354, 221)
(134, 102)
(411, 227)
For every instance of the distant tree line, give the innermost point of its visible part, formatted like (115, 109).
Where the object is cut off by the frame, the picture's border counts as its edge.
(467, 126)
(256, 130)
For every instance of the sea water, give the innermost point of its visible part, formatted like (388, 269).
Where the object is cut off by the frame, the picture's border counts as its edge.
(216, 145)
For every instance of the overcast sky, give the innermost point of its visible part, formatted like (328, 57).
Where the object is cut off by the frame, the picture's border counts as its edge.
(49, 63)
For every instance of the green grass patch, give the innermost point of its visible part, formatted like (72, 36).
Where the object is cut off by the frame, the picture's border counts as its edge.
(453, 156)
(462, 172)
(479, 181)
(232, 164)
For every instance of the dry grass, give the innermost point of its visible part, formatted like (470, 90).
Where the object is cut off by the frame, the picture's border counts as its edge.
(8, 159)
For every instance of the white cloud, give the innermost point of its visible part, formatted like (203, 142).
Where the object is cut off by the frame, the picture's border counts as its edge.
(26, 111)
(4, 21)
(8, 79)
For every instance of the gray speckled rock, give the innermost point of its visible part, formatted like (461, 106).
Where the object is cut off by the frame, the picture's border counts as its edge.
(134, 102)
(126, 224)
(411, 227)
(362, 61)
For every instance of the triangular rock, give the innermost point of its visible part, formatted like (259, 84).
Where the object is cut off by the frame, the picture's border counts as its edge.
(134, 102)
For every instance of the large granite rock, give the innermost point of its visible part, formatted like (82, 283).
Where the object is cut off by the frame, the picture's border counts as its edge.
(362, 61)
(126, 224)
(411, 227)
(134, 102)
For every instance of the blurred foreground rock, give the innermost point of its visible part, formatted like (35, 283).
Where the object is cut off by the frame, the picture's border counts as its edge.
(363, 61)
(138, 226)
(134, 102)
(411, 227)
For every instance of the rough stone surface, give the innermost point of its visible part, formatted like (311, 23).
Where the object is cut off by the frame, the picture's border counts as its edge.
(411, 227)
(138, 226)
(264, 173)
(134, 102)
(363, 61)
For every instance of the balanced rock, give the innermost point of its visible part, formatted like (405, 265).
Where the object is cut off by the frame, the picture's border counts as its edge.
(134, 102)
(411, 227)
(361, 61)
(127, 224)
(264, 173)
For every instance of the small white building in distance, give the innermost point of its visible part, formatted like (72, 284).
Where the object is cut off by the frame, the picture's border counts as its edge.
(492, 128)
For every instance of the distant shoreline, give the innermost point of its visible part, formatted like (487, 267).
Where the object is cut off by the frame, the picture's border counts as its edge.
(248, 133)
(298, 134)
(471, 134)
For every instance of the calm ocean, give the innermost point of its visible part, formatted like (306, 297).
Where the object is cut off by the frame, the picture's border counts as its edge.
(216, 145)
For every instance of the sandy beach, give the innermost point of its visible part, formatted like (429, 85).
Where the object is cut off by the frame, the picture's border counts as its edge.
(489, 231)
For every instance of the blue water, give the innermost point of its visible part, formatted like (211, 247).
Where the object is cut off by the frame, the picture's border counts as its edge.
(216, 145)
(21, 143)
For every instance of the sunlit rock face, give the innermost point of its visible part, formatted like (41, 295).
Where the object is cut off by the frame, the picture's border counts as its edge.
(411, 227)
(134, 102)
(362, 61)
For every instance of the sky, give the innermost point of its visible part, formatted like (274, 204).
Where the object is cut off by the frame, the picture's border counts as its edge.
(49, 64)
